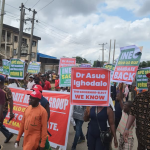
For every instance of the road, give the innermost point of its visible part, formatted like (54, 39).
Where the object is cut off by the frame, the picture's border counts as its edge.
(81, 146)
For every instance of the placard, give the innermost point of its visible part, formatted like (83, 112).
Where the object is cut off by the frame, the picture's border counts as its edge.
(58, 124)
(1, 70)
(141, 78)
(85, 65)
(34, 67)
(16, 69)
(90, 86)
(6, 65)
(127, 64)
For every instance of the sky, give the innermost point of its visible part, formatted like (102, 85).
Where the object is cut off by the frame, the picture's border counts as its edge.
(76, 27)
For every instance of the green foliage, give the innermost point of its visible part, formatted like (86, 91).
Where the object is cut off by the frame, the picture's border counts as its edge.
(81, 60)
(144, 64)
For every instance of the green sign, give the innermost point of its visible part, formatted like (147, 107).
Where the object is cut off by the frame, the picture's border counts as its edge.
(1, 70)
(141, 78)
(34, 67)
(16, 69)
(6, 65)
(65, 76)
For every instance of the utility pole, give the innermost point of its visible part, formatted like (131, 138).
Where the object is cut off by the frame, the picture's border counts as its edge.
(1, 22)
(114, 52)
(31, 38)
(22, 14)
(103, 45)
(109, 53)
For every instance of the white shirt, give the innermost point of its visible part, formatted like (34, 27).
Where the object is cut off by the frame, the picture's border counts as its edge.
(112, 105)
(13, 85)
(30, 84)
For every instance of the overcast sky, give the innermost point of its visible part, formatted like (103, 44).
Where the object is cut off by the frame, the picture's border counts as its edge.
(77, 27)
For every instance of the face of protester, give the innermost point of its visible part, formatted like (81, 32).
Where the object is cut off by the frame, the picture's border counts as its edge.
(33, 101)
(126, 108)
(44, 78)
(30, 79)
(148, 84)
(57, 77)
(37, 80)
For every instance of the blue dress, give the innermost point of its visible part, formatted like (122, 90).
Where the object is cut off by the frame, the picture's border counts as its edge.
(93, 136)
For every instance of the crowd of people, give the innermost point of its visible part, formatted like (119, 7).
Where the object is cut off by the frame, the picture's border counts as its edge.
(103, 121)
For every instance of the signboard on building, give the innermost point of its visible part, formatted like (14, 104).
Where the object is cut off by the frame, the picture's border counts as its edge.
(34, 67)
(90, 86)
(6, 65)
(127, 64)
(16, 69)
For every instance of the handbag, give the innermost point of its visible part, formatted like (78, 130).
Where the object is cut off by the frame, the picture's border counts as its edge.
(104, 135)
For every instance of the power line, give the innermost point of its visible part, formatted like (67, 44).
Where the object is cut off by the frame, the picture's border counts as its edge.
(12, 6)
(26, 2)
(36, 3)
(46, 5)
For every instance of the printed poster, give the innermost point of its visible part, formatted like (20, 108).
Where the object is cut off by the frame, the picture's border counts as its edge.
(34, 67)
(141, 78)
(65, 77)
(58, 124)
(1, 70)
(90, 86)
(6, 65)
(16, 69)
(85, 65)
(127, 64)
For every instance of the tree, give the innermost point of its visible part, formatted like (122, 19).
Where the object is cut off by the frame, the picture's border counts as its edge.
(144, 64)
(97, 65)
(81, 60)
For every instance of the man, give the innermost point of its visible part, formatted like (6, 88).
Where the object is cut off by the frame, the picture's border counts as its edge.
(78, 115)
(13, 83)
(44, 102)
(31, 82)
(38, 81)
(57, 83)
(140, 111)
(34, 124)
(9, 100)
(47, 85)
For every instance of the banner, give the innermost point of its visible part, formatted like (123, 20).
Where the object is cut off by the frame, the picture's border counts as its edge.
(16, 69)
(110, 67)
(141, 78)
(1, 70)
(6, 65)
(127, 64)
(90, 86)
(34, 67)
(58, 124)
(85, 65)
(65, 77)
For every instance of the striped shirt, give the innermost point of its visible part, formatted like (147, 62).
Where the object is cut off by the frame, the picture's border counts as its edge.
(122, 125)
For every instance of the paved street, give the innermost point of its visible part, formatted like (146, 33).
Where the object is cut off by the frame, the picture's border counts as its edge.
(10, 145)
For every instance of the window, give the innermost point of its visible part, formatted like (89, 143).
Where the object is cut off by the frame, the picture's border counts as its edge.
(33, 43)
(32, 55)
(15, 38)
(24, 53)
(14, 52)
(24, 40)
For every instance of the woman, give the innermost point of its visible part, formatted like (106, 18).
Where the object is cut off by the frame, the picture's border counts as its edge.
(98, 117)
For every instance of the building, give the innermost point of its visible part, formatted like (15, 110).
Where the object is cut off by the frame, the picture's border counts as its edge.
(9, 45)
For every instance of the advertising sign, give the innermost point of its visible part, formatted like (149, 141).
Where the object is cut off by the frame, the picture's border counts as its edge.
(141, 78)
(65, 77)
(16, 69)
(127, 64)
(34, 67)
(58, 124)
(6, 65)
(90, 86)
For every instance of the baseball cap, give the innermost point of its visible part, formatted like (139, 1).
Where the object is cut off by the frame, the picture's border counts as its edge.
(2, 78)
(36, 94)
(31, 76)
(148, 75)
(37, 87)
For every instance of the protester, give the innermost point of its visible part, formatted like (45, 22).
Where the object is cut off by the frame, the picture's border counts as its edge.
(13, 83)
(43, 101)
(140, 111)
(98, 117)
(9, 99)
(57, 84)
(126, 92)
(118, 103)
(121, 128)
(30, 82)
(47, 85)
(34, 124)
(78, 115)
(63, 89)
